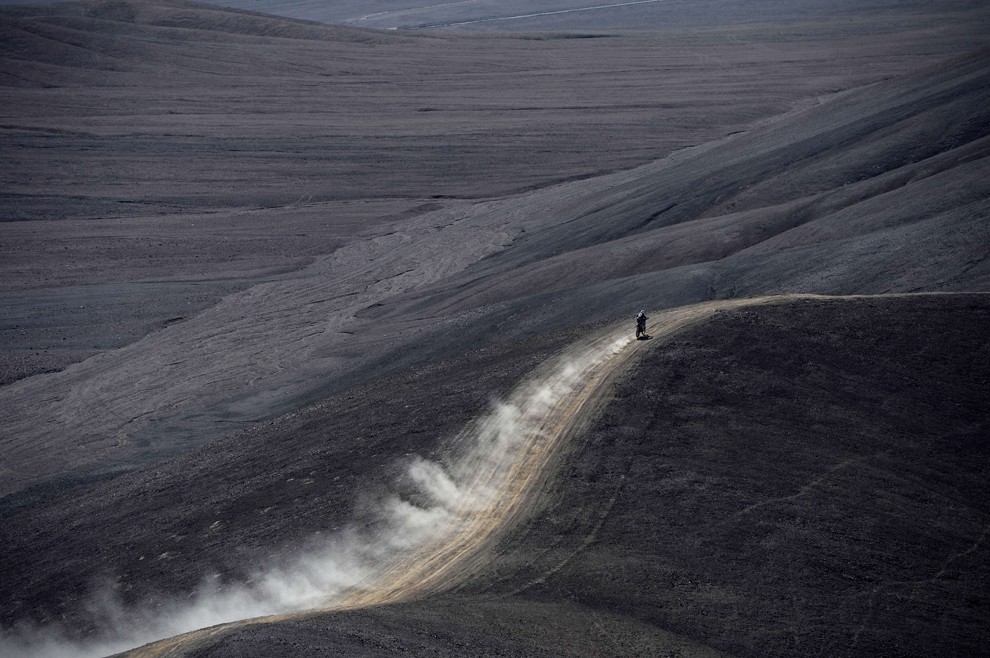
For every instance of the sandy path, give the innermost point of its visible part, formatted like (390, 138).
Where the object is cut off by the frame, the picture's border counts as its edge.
(501, 459)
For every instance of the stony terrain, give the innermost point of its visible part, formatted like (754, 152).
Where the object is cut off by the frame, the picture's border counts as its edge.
(242, 293)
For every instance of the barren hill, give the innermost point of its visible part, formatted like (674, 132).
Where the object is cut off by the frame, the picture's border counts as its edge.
(183, 161)
(878, 189)
(772, 480)
(262, 275)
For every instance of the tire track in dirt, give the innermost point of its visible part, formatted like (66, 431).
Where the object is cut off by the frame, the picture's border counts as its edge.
(502, 459)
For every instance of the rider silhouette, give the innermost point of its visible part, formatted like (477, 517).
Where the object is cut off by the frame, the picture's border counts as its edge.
(641, 324)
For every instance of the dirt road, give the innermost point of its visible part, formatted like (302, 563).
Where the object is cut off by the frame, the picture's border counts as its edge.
(500, 461)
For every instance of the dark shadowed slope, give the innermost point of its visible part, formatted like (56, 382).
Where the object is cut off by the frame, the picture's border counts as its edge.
(775, 480)
(821, 466)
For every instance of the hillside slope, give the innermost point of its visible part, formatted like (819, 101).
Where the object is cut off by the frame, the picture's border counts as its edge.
(776, 479)
(243, 295)
(882, 189)
(157, 158)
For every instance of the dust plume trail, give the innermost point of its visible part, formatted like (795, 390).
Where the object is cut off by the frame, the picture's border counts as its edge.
(421, 539)
(425, 543)
(428, 545)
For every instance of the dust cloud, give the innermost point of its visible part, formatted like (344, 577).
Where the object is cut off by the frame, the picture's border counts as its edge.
(446, 510)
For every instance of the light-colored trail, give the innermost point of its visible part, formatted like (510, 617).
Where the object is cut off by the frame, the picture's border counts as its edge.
(500, 460)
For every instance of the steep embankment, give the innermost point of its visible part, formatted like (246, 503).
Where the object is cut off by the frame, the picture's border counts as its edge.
(806, 477)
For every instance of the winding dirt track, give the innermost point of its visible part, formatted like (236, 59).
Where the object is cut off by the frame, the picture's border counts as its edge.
(501, 460)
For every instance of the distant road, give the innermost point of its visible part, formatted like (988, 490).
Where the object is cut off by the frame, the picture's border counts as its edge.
(490, 19)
